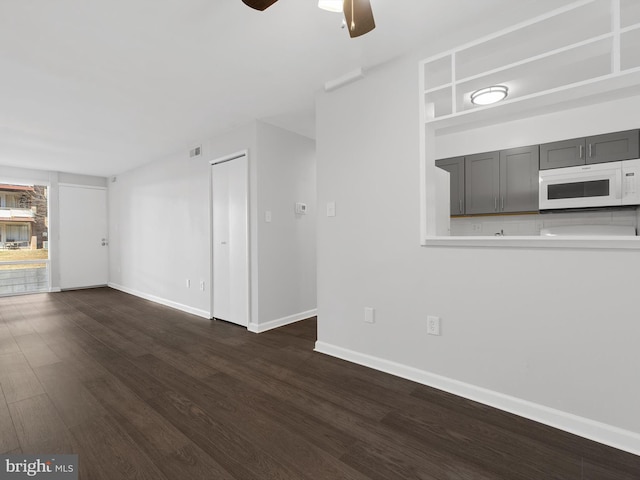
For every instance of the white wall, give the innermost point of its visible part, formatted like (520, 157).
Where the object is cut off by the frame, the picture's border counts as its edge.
(533, 329)
(160, 224)
(287, 244)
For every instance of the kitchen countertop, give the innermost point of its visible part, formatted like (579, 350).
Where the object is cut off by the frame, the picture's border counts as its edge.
(610, 242)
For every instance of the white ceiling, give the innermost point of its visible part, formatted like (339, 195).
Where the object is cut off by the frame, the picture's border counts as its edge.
(102, 86)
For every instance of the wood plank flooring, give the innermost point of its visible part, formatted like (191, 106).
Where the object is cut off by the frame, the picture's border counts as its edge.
(139, 390)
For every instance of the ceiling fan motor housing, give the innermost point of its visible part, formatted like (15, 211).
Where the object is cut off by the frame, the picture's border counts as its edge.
(357, 13)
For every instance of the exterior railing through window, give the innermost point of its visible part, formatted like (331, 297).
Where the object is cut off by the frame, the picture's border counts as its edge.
(24, 276)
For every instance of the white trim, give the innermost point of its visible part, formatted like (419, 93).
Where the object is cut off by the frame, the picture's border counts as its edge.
(231, 156)
(161, 301)
(80, 185)
(597, 431)
(281, 322)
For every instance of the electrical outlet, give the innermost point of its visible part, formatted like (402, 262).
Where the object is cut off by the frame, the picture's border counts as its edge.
(369, 315)
(202, 285)
(476, 227)
(433, 325)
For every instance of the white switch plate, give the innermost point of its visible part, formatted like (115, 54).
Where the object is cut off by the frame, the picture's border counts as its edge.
(202, 285)
(433, 325)
(331, 209)
(369, 315)
(188, 283)
(267, 216)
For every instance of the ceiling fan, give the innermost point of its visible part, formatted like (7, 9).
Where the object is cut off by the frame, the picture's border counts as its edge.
(357, 14)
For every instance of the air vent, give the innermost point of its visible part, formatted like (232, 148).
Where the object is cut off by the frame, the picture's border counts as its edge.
(196, 151)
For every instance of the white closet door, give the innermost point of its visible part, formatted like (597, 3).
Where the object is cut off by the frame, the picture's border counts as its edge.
(83, 245)
(230, 295)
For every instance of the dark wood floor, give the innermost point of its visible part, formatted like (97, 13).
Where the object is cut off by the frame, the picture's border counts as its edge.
(142, 391)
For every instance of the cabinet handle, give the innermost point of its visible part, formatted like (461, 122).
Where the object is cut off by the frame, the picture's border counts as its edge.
(460, 205)
(580, 151)
(590, 150)
(495, 204)
(502, 203)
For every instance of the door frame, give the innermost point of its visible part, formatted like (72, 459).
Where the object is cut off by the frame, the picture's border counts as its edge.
(105, 189)
(212, 163)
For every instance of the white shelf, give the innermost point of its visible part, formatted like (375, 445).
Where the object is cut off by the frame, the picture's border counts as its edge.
(551, 56)
(561, 66)
(629, 12)
(607, 87)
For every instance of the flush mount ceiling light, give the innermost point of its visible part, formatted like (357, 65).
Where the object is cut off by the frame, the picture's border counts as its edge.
(489, 95)
(330, 5)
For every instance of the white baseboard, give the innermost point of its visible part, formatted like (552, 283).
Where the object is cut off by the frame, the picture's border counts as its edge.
(597, 431)
(162, 301)
(281, 322)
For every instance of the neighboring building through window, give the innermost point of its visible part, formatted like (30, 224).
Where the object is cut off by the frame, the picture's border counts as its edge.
(24, 231)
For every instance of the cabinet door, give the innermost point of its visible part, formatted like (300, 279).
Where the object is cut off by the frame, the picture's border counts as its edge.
(519, 179)
(482, 183)
(567, 153)
(455, 167)
(612, 147)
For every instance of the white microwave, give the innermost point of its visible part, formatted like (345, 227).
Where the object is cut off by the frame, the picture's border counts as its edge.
(598, 185)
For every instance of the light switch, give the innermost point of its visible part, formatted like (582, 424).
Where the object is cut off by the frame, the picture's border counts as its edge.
(267, 216)
(369, 315)
(331, 209)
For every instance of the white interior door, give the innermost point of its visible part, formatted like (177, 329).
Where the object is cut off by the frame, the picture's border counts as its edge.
(230, 290)
(83, 244)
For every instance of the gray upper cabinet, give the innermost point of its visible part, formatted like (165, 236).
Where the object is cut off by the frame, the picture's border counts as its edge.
(502, 182)
(609, 147)
(482, 186)
(566, 153)
(455, 167)
(519, 179)
(612, 147)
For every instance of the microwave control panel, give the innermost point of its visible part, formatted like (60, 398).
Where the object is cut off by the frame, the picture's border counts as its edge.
(631, 182)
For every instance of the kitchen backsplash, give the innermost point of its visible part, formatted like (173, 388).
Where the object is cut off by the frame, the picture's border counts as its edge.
(532, 224)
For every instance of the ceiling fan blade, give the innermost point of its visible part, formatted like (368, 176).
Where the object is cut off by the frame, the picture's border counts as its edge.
(359, 17)
(259, 4)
